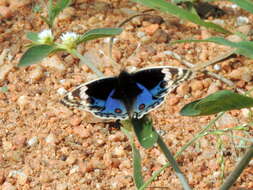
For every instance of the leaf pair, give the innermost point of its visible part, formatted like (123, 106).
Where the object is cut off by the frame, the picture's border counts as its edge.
(39, 51)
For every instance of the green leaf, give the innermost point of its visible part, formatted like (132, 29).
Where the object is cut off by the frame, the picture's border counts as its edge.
(33, 36)
(223, 100)
(35, 54)
(54, 11)
(243, 47)
(99, 33)
(138, 179)
(143, 128)
(245, 4)
(170, 8)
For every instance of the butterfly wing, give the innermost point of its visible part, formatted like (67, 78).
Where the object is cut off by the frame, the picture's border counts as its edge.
(155, 83)
(97, 98)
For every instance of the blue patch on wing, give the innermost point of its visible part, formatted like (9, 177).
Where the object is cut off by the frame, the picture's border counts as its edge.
(159, 90)
(96, 104)
(113, 108)
(145, 102)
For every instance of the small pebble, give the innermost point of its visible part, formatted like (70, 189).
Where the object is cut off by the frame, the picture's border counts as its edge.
(150, 29)
(62, 186)
(8, 186)
(50, 139)
(23, 101)
(53, 62)
(4, 70)
(161, 159)
(217, 67)
(33, 141)
(241, 20)
(62, 91)
(74, 169)
(36, 74)
(71, 159)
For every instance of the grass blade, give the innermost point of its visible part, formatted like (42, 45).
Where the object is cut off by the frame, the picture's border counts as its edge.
(244, 4)
(170, 8)
(99, 33)
(243, 47)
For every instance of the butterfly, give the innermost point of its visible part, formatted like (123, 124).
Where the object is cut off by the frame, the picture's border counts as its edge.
(128, 95)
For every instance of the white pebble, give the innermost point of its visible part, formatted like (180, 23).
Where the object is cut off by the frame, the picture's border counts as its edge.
(22, 101)
(241, 20)
(62, 81)
(234, 6)
(218, 21)
(32, 141)
(50, 139)
(62, 91)
(140, 34)
(216, 174)
(74, 169)
(217, 67)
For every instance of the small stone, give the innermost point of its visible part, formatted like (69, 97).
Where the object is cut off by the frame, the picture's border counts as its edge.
(20, 141)
(33, 141)
(62, 186)
(6, 12)
(23, 101)
(118, 151)
(71, 159)
(241, 20)
(46, 177)
(50, 139)
(66, 14)
(225, 120)
(183, 89)
(217, 67)
(214, 87)
(21, 176)
(196, 85)
(151, 29)
(53, 62)
(173, 100)
(62, 91)
(241, 73)
(234, 38)
(36, 74)
(160, 36)
(74, 169)
(161, 159)
(81, 131)
(4, 70)
(8, 186)
(7, 145)
(141, 34)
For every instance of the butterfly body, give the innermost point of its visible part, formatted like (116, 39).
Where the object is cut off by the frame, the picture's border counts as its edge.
(128, 94)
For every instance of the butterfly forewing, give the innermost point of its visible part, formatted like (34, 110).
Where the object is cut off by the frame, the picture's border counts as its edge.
(96, 97)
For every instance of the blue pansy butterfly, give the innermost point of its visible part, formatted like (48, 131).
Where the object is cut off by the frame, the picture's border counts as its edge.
(128, 94)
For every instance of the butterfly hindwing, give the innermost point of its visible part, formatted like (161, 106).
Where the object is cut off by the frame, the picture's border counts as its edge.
(96, 97)
(144, 102)
(155, 84)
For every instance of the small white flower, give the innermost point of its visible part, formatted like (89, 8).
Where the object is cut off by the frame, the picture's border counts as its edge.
(69, 39)
(46, 36)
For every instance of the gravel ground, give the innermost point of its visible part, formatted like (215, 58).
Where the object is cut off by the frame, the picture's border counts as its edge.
(45, 145)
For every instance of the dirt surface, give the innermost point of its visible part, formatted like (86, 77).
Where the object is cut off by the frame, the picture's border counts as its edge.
(45, 145)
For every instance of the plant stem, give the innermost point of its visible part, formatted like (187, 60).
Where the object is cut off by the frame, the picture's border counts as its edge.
(87, 62)
(173, 162)
(199, 135)
(230, 180)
